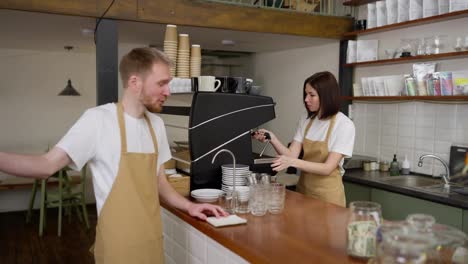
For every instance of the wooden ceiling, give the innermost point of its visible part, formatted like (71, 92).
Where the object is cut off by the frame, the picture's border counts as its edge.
(195, 13)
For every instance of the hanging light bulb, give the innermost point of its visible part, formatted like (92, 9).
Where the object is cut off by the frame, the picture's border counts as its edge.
(69, 90)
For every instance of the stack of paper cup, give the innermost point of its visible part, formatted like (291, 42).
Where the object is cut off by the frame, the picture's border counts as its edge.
(195, 61)
(183, 56)
(170, 45)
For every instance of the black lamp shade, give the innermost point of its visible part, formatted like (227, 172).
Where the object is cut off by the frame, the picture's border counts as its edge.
(69, 90)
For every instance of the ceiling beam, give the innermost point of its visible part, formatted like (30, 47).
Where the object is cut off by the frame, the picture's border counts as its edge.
(195, 13)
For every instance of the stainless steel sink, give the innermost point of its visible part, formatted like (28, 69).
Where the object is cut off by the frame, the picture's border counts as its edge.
(410, 181)
(438, 189)
(442, 190)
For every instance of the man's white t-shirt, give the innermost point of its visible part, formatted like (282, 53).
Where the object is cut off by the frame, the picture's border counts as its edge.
(95, 139)
(341, 138)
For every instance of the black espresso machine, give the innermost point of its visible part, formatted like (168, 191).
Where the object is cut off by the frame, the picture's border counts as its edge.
(223, 121)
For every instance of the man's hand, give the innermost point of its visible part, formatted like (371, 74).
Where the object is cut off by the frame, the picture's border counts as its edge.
(201, 211)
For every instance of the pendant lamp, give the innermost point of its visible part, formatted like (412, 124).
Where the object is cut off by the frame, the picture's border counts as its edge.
(69, 90)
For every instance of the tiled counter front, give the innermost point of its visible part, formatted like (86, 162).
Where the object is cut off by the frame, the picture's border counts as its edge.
(183, 244)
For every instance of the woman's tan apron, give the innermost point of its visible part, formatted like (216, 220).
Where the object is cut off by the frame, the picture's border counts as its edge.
(129, 226)
(327, 188)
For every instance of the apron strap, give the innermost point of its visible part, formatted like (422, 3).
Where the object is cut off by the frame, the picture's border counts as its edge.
(308, 126)
(123, 132)
(330, 128)
(153, 136)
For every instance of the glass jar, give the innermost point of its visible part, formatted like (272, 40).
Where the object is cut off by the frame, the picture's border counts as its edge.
(366, 165)
(384, 166)
(406, 246)
(363, 222)
(450, 244)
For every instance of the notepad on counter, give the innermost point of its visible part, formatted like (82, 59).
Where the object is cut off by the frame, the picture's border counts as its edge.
(226, 221)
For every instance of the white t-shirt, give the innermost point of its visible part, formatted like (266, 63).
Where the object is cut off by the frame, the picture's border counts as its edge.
(95, 139)
(341, 138)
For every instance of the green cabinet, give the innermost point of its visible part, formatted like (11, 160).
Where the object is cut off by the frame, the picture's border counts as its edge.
(397, 206)
(465, 221)
(356, 192)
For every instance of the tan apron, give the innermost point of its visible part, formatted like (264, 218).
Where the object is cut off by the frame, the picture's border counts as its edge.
(129, 228)
(327, 188)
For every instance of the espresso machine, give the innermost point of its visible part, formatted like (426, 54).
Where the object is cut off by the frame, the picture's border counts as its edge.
(223, 120)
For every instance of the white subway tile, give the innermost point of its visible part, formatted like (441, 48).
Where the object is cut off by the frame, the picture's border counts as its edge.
(406, 131)
(235, 259)
(388, 141)
(168, 246)
(425, 122)
(168, 260)
(389, 130)
(194, 260)
(215, 254)
(180, 254)
(425, 133)
(197, 245)
(442, 148)
(180, 233)
(424, 145)
(373, 112)
(389, 118)
(406, 109)
(386, 153)
(405, 142)
(461, 135)
(167, 224)
(445, 134)
(445, 116)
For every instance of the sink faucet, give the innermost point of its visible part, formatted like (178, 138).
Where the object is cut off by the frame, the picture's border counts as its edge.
(234, 194)
(445, 176)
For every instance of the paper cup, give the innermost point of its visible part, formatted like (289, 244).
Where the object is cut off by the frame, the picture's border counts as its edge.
(171, 33)
(196, 51)
(184, 43)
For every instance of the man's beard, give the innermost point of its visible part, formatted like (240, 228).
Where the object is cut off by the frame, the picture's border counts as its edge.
(154, 108)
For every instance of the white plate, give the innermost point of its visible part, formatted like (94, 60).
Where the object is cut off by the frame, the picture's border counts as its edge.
(206, 200)
(206, 192)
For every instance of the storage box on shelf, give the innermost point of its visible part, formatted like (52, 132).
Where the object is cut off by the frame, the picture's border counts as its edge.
(410, 23)
(349, 67)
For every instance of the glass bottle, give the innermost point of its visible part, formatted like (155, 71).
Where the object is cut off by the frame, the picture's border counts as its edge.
(394, 167)
(363, 222)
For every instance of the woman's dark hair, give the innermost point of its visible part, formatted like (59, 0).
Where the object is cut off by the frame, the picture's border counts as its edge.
(328, 91)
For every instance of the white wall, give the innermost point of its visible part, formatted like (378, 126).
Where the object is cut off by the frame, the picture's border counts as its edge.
(282, 74)
(33, 116)
(412, 128)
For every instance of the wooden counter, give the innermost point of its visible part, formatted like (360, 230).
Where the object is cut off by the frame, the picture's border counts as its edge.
(308, 231)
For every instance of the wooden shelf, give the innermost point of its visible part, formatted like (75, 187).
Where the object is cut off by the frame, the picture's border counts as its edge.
(407, 98)
(440, 56)
(426, 20)
(357, 2)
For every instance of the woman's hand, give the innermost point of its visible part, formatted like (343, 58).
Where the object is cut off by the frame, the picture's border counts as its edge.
(282, 162)
(260, 135)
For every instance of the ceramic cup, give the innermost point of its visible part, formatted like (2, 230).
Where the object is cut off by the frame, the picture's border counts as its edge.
(208, 84)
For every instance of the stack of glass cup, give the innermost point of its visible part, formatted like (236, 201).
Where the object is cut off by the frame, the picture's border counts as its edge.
(265, 195)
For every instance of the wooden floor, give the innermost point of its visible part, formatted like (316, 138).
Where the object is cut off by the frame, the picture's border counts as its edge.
(20, 242)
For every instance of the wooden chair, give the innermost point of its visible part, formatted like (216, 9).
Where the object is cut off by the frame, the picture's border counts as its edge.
(62, 198)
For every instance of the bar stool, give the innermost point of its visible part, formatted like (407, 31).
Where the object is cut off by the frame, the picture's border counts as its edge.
(63, 198)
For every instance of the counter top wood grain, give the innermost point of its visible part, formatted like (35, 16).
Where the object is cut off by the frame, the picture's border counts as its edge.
(308, 231)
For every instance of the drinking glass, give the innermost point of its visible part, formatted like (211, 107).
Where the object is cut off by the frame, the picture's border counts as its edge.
(258, 199)
(277, 197)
